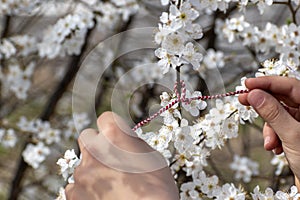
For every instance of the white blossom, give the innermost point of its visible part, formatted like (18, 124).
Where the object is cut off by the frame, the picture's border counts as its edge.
(194, 106)
(166, 60)
(244, 168)
(214, 59)
(257, 195)
(183, 139)
(210, 186)
(34, 155)
(183, 16)
(188, 191)
(81, 120)
(293, 194)
(8, 138)
(191, 56)
(230, 192)
(7, 49)
(161, 33)
(262, 4)
(280, 162)
(164, 2)
(173, 44)
(19, 80)
(68, 163)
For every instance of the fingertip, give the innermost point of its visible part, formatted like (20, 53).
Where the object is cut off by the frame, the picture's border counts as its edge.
(243, 99)
(271, 146)
(85, 136)
(112, 125)
(267, 143)
(248, 82)
(88, 132)
(107, 115)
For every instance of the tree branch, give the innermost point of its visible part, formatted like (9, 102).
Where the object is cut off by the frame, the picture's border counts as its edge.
(5, 29)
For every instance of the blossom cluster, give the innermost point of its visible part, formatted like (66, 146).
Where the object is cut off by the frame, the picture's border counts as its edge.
(244, 168)
(67, 35)
(43, 136)
(17, 46)
(15, 7)
(279, 195)
(14, 75)
(67, 165)
(214, 5)
(18, 79)
(187, 147)
(175, 29)
(35, 153)
(208, 186)
(203, 184)
(284, 40)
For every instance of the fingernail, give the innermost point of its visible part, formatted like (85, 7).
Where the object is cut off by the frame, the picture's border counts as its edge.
(256, 98)
(267, 140)
(247, 79)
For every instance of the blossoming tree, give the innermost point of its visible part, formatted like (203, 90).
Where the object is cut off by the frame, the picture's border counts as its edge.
(204, 48)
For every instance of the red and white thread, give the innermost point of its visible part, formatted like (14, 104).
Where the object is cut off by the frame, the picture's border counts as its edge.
(182, 98)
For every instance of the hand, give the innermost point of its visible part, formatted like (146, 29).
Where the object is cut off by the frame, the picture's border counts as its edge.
(282, 128)
(97, 180)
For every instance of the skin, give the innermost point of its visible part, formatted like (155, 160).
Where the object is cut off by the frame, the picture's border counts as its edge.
(94, 180)
(281, 131)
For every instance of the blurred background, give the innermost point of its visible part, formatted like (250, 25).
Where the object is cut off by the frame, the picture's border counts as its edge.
(46, 44)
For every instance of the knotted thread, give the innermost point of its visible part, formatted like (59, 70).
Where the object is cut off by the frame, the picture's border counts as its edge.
(182, 98)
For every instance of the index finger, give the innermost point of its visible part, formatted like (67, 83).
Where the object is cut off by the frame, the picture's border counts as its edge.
(277, 85)
(118, 133)
(111, 124)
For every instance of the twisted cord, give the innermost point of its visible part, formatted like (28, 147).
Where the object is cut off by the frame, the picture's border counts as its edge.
(183, 98)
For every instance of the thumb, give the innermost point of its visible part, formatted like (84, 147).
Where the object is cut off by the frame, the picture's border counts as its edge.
(273, 113)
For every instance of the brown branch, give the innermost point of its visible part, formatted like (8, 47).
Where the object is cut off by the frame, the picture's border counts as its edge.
(178, 79)
(211, 32)
(4, 34)
(5, 30)
(290, 6)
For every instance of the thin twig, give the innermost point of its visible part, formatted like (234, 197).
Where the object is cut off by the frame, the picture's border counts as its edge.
(290, 6)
